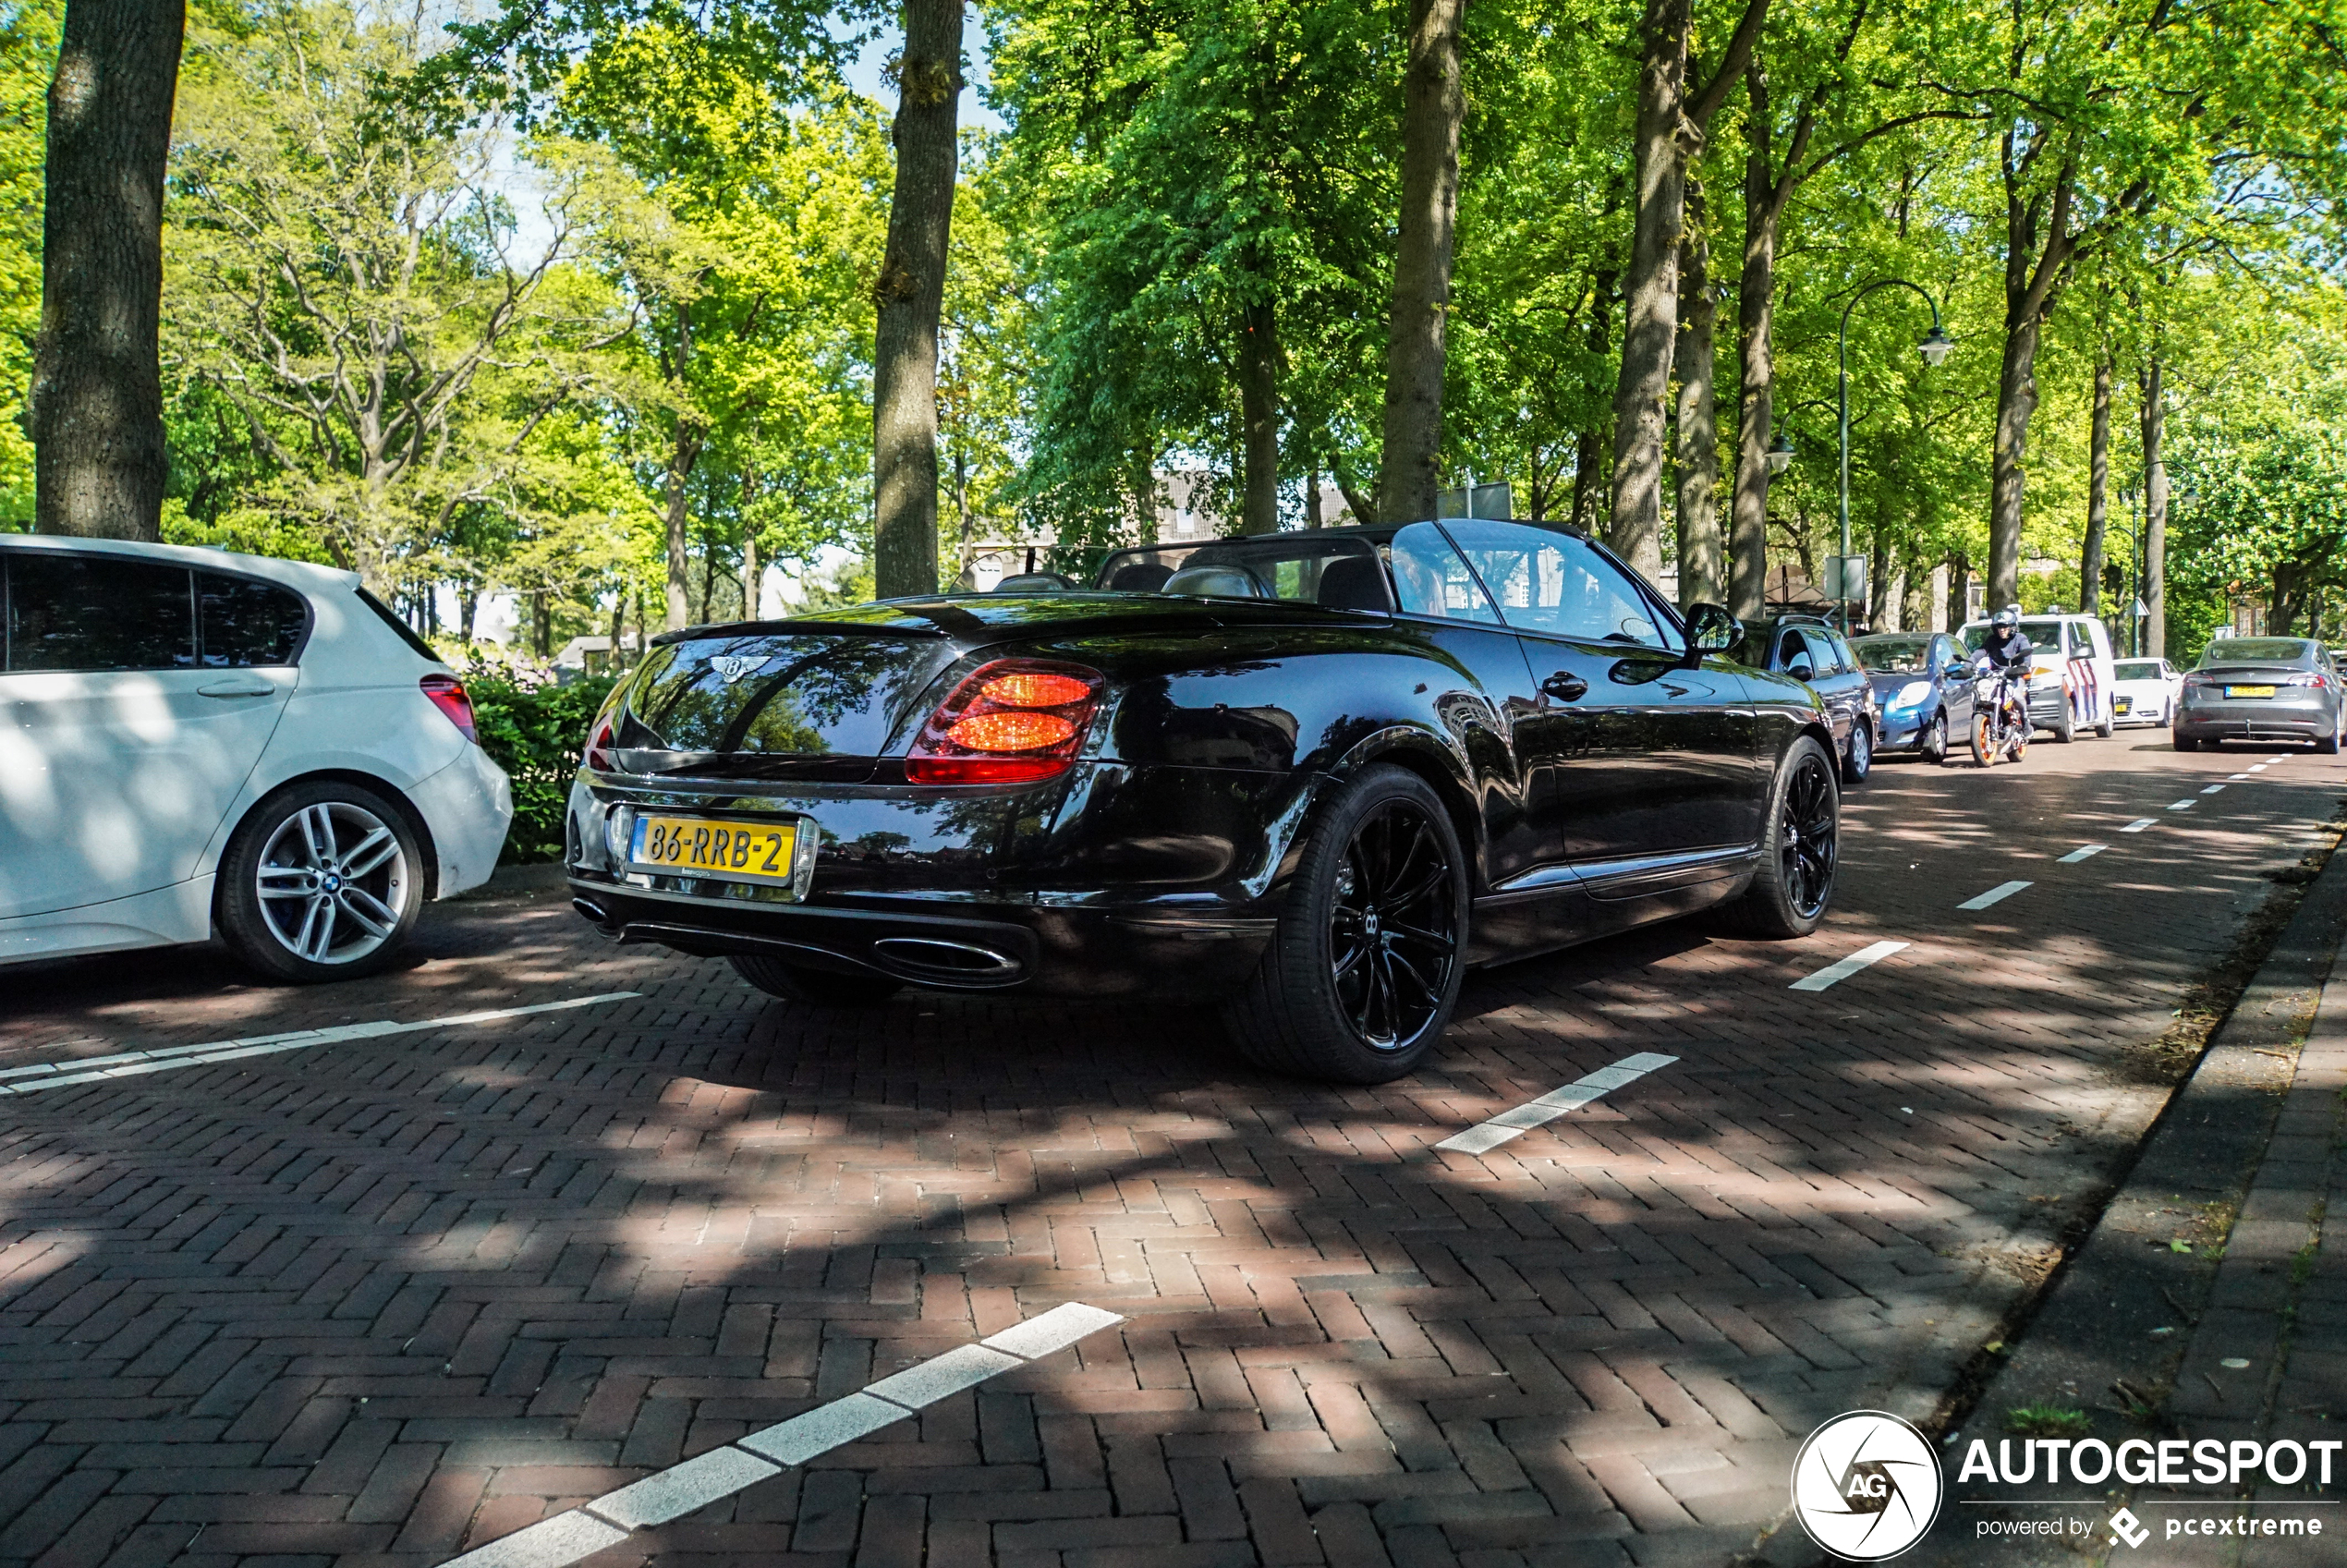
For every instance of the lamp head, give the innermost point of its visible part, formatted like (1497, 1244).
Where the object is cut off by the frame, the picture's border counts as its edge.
(1936, 345)
(1780, 454)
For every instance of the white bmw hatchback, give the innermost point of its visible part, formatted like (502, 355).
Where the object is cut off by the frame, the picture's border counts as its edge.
(194, 743)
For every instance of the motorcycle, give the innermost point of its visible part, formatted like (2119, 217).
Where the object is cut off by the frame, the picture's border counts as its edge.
(1999, 710)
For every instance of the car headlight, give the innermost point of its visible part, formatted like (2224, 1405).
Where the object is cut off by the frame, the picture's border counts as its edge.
(1911, 694)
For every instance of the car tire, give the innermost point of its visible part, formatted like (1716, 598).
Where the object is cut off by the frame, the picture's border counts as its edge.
(2328, 745)
(2065, 729)
(2187, 743)
(1790, 894)
(1933, 746)
(1858, 761)
(322, 882)
(1333, 998)
(814, 988)
(2109, 725)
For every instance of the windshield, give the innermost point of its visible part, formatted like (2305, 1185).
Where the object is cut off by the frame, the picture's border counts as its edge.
(2136, 670)
(1892, 655)
(2045, 637)
(2258, 650)
(1342, 571)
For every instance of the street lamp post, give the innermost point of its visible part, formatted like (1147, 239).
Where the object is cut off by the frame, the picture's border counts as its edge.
(1934, 348)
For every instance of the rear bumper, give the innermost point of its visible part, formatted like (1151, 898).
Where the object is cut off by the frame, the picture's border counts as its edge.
(1093, 954)
(467, 806)
(2278, 718)
(1111, 883)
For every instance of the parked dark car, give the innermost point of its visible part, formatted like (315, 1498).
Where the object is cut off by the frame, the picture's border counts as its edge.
(1314, 775)
(1922, 690)
(2263, 688)
(1810, 649)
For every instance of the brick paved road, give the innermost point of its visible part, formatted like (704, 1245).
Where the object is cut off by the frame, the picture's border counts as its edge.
(382, 1301)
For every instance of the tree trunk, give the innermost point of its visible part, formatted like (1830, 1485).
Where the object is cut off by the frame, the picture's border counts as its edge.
(910, 295)
(618, 627)
(1700, 574)
(751, 573)
(541, 633)
(2098, 489)
(1312, 508)
(1756, 367)
(681, 458)
(1959, 591)
(1260, 411)
(1650, 291)
(96, 400)
(2017, 401)
(1589, 446)
(2155, 570)
(1432, 107)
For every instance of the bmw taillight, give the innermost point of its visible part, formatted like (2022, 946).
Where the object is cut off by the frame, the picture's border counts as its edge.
(1013, 721)
(448, 694)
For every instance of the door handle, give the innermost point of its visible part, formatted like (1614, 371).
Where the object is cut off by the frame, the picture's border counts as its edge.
(1566, 686)
(227, 689)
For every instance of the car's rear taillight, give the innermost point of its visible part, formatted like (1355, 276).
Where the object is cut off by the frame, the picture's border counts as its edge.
(448, 694)
(2307, 680)
(1013, 721)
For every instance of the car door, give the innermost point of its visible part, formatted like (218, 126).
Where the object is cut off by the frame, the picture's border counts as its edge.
(1807, 653)
(1954, 673)
(121, 747)
(1639, 761)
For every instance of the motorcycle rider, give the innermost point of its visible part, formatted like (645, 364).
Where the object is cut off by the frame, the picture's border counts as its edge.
(2006, 644)
(2007, 649)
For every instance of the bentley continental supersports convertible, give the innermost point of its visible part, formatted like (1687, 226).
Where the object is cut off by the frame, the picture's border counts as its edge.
(1313, 776)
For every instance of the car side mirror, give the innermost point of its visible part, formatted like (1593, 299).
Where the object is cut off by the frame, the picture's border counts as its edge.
(1711, 630)
(1801, 670)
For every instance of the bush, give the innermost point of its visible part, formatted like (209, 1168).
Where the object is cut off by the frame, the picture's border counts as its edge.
(536, 734)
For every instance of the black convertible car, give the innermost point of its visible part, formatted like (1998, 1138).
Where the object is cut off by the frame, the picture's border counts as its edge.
(1314, 775)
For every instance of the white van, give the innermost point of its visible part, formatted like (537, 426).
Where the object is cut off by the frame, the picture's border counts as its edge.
(2071, 679)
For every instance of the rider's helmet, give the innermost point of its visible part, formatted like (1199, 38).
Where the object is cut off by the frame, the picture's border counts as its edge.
(2007, 618)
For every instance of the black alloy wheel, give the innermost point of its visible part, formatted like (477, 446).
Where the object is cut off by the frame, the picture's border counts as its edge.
(1792, 886)
(1359, 980)
(1392, 928)
(1808, 839)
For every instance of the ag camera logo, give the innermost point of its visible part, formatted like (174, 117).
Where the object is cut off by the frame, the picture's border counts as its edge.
(1866, 1485)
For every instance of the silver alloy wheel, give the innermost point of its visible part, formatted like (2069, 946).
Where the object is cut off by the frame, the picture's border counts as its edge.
(333, 882)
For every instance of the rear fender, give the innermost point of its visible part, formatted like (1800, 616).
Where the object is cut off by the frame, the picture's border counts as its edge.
(1436, 757)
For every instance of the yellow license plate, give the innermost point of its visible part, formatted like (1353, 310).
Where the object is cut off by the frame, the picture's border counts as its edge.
(2249, 691)
(716, 846)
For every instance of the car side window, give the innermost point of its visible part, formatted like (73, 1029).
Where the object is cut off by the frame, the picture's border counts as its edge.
(1431, 579)
(1844, 661)
(1802, 642)
(248, 625)
(98, 612)
(1557, 585)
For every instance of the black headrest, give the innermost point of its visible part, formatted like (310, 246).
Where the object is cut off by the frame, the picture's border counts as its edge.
(1354, 582)
(1140, 577)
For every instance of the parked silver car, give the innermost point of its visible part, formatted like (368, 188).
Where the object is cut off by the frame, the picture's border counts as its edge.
(2263, 688)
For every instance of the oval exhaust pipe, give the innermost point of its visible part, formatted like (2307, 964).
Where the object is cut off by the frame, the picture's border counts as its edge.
(593, 910)
(940, 962)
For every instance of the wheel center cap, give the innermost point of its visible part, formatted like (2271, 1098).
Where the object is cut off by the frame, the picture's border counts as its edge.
(1369, 922)
(330, 881)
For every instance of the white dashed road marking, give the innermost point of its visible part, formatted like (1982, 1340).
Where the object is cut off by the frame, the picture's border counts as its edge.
(1843, 968)
(2138, 825)
(2084, 852)
(1487, 1135)
(1997, 895)
(2259, 766)
(694, 1484)
(2180, 806)
(99, 1069)
(2235, 778)
(2213, 789)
